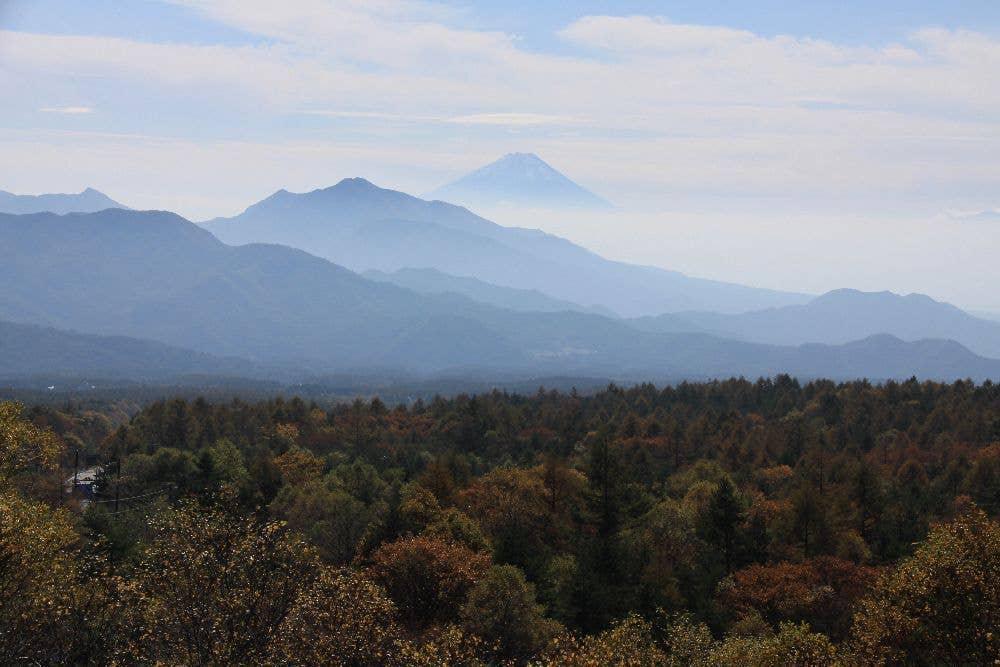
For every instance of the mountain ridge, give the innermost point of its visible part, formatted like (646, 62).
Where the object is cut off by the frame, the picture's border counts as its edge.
(840, 316)
(87, 201)
(432, 281)
(28, 350)
(362, 226)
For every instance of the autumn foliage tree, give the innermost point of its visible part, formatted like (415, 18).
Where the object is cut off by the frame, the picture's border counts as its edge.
(629, 642)
(24, 449)
(942, 605)
(43, 602)
(427, 578)
(821, 591)
(512, 505)
(211, 588)
(343, 618)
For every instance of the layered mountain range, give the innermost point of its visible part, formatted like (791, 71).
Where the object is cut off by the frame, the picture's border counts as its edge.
(361, 226)
(355, 278)
(432, 281)
(183, 300)
(841, 316)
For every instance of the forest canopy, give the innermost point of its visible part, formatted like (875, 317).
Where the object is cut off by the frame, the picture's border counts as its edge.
(731, 522)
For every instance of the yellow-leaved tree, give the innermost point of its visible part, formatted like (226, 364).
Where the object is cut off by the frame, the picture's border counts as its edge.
(42, 605)
(211, 588)
(942, 605)
(24, 446)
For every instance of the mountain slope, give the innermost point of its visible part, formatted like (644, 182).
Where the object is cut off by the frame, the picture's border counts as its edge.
(887, 357)
(31, 350)
(88, 201)
(986, 315)
(156, 276)
(521, 179)
(361, 226)
(432, 281)
(841, 316)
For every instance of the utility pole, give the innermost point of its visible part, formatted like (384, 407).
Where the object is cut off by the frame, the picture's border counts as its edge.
(118, 481)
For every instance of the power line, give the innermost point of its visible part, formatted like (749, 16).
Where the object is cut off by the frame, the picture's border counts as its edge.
(126, 511)
(144, 495)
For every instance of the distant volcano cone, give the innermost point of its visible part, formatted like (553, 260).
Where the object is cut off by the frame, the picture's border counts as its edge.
(519, 179)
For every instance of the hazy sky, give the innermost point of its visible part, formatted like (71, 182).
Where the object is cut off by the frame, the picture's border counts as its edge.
(799, 145)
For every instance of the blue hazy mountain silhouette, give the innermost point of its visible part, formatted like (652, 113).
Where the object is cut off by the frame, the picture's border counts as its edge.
(29, 350)
(840, 316)
(155, 276)
(362, 226)
(88, 201)
(432, 281)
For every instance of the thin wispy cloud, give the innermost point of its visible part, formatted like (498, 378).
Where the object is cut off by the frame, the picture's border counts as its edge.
(368, 115)
(514, 119)
(987, 215)
(71, 110)
(508, 119)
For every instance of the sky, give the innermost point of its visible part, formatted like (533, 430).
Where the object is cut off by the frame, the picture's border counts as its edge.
(793, 145)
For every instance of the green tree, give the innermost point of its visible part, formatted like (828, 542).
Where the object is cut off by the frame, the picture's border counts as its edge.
(229, 463)
(456, 526)
(418, 508)
(724, 519)
(666, 548)
(809, 520)
(144, 473)
(502, 608)
(794, 645)
(361, 480)
(330, 519)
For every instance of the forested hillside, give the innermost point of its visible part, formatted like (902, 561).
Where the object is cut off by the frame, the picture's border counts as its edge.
(27, 350)
(729, 522)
